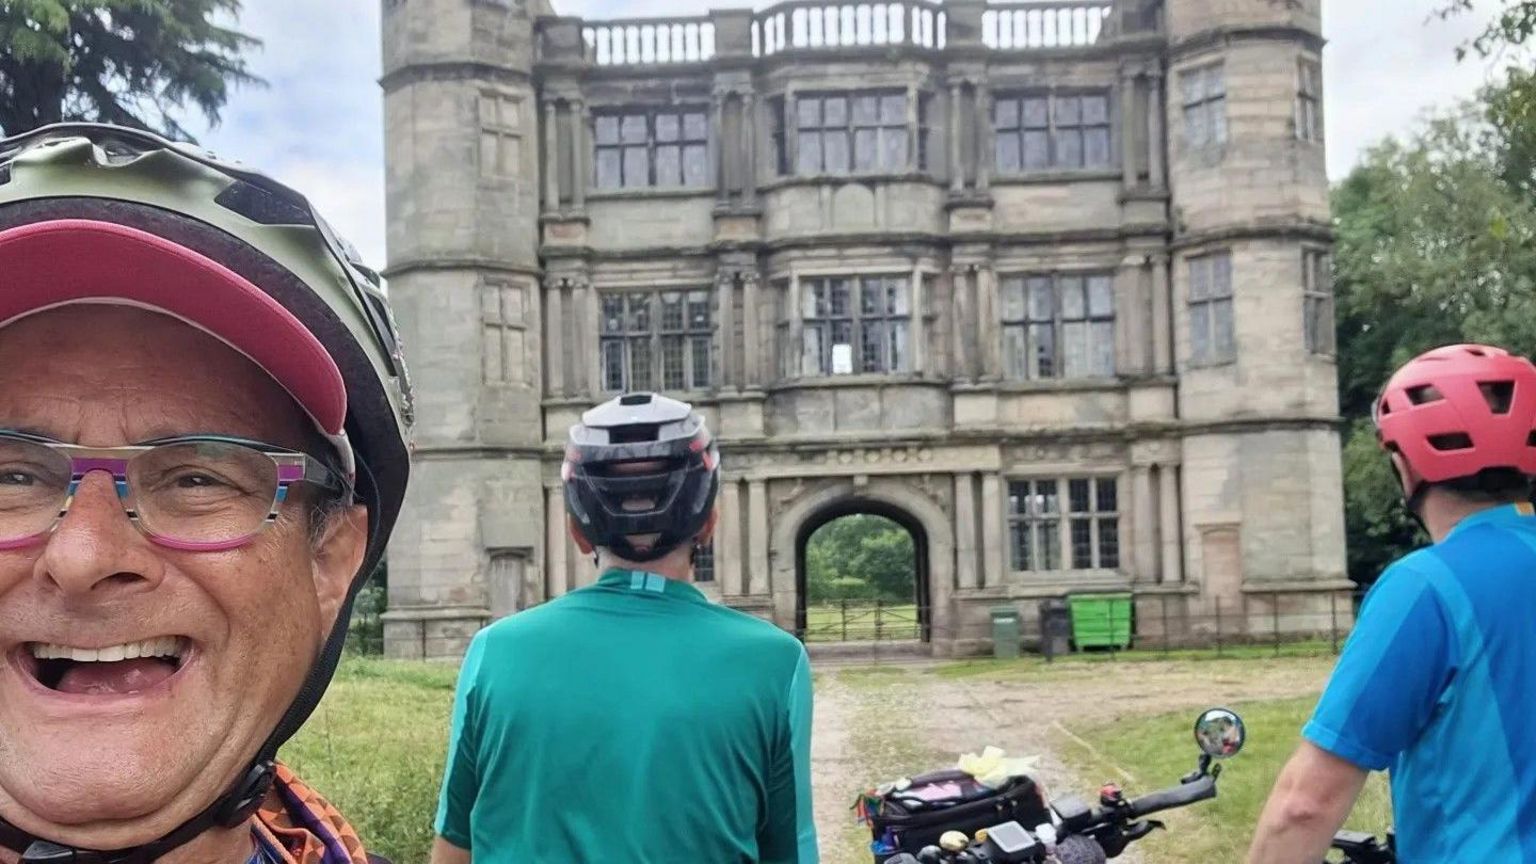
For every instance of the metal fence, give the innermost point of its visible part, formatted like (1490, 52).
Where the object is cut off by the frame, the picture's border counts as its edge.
(1277, 622)
(862, 621)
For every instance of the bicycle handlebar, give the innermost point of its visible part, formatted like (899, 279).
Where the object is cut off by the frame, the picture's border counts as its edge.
(1197, 790)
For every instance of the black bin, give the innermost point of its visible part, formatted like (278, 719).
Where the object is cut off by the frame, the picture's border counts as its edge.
(1055, 627)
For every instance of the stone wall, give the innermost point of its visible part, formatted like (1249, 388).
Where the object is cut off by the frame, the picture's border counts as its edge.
(501, 247)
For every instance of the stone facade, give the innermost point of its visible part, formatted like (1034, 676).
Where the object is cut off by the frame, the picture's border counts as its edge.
(1045, 281)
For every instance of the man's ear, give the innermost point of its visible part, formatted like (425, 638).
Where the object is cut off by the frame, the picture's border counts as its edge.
(582, 542)
(337, 558)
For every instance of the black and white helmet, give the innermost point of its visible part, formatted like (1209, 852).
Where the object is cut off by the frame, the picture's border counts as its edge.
(641, 465)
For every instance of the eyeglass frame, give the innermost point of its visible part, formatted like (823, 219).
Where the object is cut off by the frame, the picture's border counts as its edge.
(293, 466)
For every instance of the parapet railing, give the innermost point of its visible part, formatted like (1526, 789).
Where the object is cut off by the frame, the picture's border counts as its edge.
(642, 42)
(1062, 24)
(806, 24)
(837, 25)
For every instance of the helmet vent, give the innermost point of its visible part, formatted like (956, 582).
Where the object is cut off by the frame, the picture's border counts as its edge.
(635, 399)
(1530, 440)
(1500, 395)
(261, 206)
(636, 434)
(1423, 395)
(1453, 441)
(5, 174)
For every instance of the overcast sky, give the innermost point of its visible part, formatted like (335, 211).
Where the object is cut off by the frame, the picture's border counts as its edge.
(317, 125)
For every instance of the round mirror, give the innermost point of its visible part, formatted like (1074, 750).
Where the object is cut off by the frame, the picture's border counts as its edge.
(1220, 733)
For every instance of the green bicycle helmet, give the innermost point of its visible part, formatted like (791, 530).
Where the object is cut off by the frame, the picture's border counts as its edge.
(92, 213)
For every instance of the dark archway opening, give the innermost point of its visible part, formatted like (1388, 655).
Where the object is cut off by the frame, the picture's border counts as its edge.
(864, 600)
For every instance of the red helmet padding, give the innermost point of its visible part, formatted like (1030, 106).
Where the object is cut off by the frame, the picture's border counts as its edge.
(1455, 372)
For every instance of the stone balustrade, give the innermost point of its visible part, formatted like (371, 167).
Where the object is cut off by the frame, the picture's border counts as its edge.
(644, 42)
(1057, 24)
(800, 26)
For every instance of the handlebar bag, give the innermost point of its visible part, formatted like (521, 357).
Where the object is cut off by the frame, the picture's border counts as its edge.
(906, 820)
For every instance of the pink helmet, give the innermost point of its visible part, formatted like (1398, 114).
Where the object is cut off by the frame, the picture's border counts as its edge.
(1456, 411)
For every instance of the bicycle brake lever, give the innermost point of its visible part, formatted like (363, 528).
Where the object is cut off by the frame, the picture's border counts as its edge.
(1137, 830)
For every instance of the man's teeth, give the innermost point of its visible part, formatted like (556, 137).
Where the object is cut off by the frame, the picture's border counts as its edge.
(166, 646)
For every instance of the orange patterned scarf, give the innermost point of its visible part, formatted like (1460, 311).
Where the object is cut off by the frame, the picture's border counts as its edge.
(303, 828)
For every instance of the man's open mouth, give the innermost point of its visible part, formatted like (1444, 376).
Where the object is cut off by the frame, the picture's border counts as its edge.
(113, 670)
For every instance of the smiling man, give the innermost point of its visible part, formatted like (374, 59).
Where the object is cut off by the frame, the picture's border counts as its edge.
(203, 420)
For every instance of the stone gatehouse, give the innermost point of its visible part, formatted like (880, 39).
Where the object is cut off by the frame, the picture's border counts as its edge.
(1047, 282)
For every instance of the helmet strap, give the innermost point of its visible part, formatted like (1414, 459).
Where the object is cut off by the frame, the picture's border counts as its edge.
(231, 810)
(1414, 503)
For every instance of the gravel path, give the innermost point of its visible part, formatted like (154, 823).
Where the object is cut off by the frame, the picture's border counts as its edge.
(877, 723)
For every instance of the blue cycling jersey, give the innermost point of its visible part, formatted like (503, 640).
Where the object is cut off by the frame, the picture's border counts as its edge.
(1438, 685)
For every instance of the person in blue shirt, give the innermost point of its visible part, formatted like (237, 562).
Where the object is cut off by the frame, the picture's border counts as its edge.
(1437, 685)
(632, 720)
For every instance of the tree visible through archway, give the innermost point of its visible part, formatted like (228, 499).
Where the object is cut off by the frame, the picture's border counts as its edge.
(861, 581)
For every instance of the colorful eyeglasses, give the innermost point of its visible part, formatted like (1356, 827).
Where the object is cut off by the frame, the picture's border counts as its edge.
(202, 493)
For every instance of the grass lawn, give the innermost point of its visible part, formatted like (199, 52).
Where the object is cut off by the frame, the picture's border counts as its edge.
(1034, 664)
(864, 622)
(375, 748)
(1157, 751)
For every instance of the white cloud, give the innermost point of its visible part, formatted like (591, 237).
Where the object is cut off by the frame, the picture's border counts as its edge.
(318, 126)
(1386, 64)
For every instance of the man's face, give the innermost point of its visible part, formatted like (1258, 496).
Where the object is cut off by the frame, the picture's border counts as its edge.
(106, 770)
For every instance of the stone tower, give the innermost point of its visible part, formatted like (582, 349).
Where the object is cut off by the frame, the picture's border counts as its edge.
(462, 198)
(1253, 319)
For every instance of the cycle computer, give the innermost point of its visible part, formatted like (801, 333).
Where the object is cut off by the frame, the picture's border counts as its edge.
(1011, 844)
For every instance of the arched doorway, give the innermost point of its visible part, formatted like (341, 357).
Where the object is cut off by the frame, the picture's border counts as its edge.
(864, 613)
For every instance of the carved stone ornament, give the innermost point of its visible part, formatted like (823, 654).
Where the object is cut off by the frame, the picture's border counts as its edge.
(573, 281)
(789, 496)
(936, 488)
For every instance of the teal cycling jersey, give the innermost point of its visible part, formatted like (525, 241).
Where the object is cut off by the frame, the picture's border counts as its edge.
(631, 720)
(1436, 685)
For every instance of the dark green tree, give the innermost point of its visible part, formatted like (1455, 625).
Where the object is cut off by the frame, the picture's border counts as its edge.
(137, 63)
(1436, 244)
(860, 557)
(1505, 39)
(1511, 133)
(1511, 26)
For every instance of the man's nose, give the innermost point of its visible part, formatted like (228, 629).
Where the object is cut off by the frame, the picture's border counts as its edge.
(95, 548)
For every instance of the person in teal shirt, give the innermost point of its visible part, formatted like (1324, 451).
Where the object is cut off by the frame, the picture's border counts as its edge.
(632, 720)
